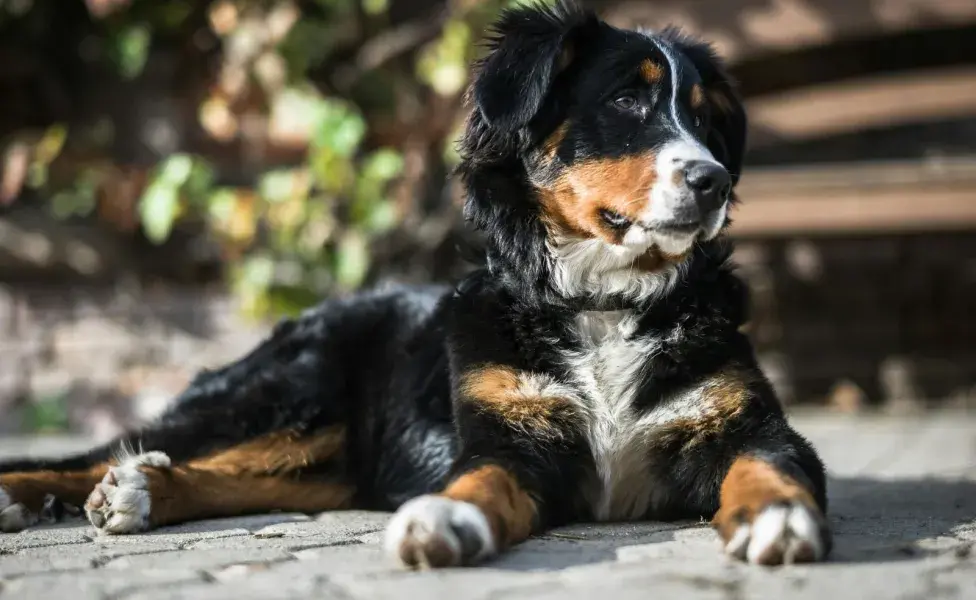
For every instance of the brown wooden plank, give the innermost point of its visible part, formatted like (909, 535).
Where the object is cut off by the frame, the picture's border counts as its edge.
(743, 29)
(878, 198)
(818, 111)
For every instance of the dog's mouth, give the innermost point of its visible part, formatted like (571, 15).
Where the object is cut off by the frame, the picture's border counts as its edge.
(681, 228)
(674, 238)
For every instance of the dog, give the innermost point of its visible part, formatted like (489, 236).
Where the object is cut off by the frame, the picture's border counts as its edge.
(592, 368)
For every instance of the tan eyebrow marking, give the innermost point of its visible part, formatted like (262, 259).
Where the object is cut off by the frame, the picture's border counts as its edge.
(651, 71)
(697, 96)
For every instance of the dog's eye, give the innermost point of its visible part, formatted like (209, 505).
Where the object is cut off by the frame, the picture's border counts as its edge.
(625, 102)
(699, 121)
(614, 219)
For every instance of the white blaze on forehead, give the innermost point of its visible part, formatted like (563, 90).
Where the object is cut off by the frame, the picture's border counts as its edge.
(692, 147)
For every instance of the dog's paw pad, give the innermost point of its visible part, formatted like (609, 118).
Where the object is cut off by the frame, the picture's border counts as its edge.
(14, 516)
(433, 531)
(781, 533)
(121, 502)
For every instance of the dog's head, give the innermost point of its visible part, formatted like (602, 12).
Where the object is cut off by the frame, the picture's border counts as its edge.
(608, 152)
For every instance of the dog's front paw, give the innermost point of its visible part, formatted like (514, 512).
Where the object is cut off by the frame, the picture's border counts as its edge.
(781, 533)
(121, 502)
(433, 531)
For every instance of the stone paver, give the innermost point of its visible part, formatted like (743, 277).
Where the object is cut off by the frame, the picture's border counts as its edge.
(903, 508)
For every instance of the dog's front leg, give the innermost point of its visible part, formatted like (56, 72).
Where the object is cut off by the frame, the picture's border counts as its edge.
(770, 513)
(514, 473)
(484, 510)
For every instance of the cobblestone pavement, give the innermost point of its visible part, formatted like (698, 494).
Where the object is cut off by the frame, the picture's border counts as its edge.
(903, 507)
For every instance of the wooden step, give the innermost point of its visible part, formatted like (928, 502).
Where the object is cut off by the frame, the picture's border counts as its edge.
(863, 103)
(891, 197)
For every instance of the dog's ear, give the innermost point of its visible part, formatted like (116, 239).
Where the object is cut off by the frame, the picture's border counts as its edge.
(529, 46)
(727, 138)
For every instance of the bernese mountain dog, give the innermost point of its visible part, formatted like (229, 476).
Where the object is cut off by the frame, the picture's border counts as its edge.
(592, 368)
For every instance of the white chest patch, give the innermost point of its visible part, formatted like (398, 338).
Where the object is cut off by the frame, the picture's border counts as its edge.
(608, 369)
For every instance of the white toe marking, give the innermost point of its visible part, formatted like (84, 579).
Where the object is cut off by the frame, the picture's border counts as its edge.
(127, 502)
(739, 542)
(427, 517)
(768, 531)
(786, 531)
(805, 530)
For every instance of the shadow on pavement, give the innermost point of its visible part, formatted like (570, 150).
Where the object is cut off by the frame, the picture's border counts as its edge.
(874, 520)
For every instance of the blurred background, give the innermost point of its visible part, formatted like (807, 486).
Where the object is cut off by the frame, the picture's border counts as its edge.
(176, 175)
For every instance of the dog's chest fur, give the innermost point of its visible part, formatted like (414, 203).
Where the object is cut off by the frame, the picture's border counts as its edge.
(608, 367)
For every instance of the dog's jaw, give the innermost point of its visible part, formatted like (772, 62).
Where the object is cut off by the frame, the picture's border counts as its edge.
(594, 269)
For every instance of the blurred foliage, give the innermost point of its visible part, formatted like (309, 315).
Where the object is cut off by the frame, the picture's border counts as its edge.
(303, 108)
(46, 414)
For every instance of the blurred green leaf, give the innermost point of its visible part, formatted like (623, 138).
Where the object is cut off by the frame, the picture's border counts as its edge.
(172, 14)
(36, 175)
(199, 182)
(131, 49)
(383, 165)
(278, 185)
(444, 63)
(176, 170)
(340, 129)
(47, 414)
(450, 154)
(382, 217)
(352, 260)
(157, 210)
(51, 143)
(291, 300)
(299, 109)
(308, 43)
(258, 271)
(251, 280)
(332, 173)
(375, 7)
(78, 200)
(220, 204)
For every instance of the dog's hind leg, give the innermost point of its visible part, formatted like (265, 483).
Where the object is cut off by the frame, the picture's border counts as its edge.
(268, 410)
(266, 474)
(27, 497)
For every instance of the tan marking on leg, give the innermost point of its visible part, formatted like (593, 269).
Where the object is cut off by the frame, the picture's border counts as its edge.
(71, 487)
(528, 401)
(750, 486)
(184, 494)
(278, 452)
(510, 510)
(260, 475)
(651, 71)
(722, 398)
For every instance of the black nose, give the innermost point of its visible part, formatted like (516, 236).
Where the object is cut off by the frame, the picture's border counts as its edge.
(711, 183)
